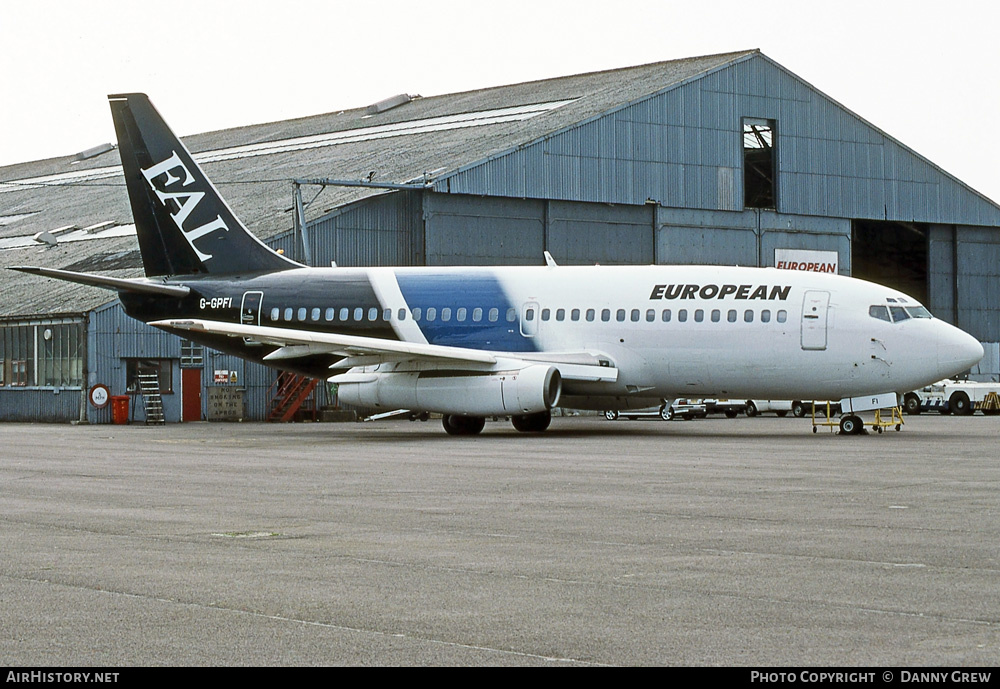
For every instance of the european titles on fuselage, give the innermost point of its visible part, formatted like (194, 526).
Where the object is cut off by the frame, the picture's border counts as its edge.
(746, 292)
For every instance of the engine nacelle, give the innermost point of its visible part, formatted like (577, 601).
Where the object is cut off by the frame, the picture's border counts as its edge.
(529, 390)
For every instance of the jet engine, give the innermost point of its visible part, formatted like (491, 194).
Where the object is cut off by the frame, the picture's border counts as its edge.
(532, 389)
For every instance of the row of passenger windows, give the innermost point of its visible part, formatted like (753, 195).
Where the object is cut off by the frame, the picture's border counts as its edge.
(651, 315)
(477, 315)
(358, 314)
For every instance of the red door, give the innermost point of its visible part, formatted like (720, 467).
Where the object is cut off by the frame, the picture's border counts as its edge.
(191, 386)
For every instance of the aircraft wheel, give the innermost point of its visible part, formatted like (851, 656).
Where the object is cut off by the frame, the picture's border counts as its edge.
(851, 425)
(455, 424)
(532, 423)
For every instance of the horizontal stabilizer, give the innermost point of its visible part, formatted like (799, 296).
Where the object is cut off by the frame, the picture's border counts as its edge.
(140, 285)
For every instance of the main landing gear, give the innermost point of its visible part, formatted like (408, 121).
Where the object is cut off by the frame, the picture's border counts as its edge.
(456, 424)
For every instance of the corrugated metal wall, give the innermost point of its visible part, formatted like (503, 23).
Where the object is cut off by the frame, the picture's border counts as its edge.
(683, 148)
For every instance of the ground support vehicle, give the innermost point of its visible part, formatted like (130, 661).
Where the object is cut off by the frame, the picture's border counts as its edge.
(731, 408)
(682, 408)
(757, 407)
(959, 397)
(850, 423)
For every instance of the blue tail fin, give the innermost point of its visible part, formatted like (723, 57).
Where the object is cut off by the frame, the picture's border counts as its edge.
(184, 226)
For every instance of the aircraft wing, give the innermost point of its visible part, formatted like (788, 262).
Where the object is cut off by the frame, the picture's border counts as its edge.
(293, 343)
(368, 351)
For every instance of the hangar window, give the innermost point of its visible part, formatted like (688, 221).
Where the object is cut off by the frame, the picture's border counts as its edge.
(192, 354)
(161, 367)
(759, 163)
(17, 349)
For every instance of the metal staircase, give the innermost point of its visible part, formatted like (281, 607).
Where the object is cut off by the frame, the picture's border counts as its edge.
(290, 394)
(152, 400)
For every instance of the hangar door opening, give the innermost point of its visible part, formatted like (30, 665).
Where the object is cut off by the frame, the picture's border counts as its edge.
(892, 254)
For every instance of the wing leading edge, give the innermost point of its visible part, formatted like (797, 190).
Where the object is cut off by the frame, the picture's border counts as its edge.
(369, 351)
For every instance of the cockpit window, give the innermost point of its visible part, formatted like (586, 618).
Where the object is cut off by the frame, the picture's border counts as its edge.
(898, 314)
(918, 312)
(880, 312)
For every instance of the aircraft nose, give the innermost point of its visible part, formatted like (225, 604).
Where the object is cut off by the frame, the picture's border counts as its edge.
(958, 351)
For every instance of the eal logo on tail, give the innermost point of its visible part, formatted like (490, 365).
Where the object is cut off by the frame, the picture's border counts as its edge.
(186, 201)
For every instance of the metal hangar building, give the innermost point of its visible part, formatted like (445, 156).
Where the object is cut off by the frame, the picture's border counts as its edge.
(722, 159)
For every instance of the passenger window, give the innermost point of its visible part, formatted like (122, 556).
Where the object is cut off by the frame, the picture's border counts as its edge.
(401, 314)
(314, 314)
(880, 312)
(731, 316)
(699, 315)
(359, 313)
(782, 316)
(461, 313)
(898, 314)
(650, 315)
(477, 314)
(275, 314)
(546, 313)
(620, 315)
(716, 315)
(634, 315)
(748, 316)
(494, 315)
(387, 314)
(511, 315)
(431, 313)
(665, 316)
(288, 314)
(344, 313)
(605, 315)
(302, 313)
(591, 314)
(330, 313)
(560, 314)
(417, 313)
(446, 314)
(575, 314)
(529, 315)
(682, 315)
(765, 316)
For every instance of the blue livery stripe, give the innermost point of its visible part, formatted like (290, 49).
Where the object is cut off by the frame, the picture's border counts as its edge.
(447, 293)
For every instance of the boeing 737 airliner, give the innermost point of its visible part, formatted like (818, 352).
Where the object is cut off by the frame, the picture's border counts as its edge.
(477, 342)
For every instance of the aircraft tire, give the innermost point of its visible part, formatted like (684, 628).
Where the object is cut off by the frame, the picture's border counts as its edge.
(455, 424)
(851, 425)
(532, 423)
